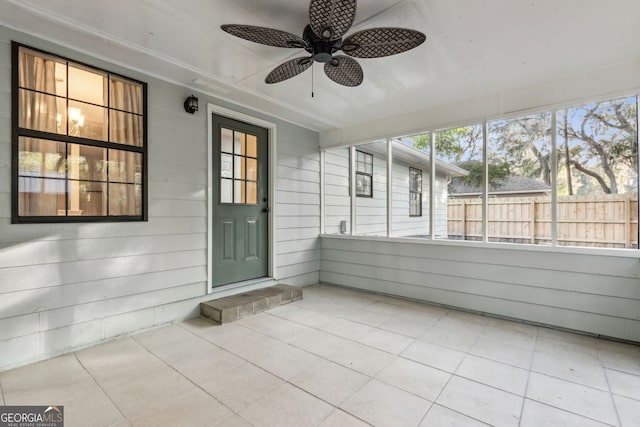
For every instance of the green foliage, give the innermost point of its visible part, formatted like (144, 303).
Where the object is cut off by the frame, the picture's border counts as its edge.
(497, 173)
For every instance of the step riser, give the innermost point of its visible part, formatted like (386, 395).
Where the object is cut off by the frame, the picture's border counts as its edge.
(235, 307)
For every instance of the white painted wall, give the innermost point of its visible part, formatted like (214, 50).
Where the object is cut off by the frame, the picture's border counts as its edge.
(66, 286)
(337, 200)
(599, 294)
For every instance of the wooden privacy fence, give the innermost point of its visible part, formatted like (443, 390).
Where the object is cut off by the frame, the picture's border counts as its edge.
(609, 221)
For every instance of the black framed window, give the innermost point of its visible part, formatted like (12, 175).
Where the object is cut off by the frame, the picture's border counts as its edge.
(415, 192)
(79, 147)
(364, 174)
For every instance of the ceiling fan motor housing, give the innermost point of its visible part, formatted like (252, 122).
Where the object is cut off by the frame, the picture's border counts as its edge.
(321, 49)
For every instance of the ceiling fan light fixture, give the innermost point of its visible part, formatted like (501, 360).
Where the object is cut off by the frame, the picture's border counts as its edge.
(323, 52)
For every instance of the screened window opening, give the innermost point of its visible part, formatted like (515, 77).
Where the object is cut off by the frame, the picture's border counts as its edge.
(565, 177)
(79, 141)
(364, 174)
(415, 192)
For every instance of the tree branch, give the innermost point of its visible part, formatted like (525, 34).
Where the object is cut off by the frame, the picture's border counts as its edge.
(592, 174)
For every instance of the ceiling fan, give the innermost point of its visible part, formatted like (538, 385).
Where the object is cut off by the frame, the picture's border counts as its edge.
(329, 20)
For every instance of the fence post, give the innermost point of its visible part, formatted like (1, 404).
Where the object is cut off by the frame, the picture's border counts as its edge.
(627, 220)
(464, 219)
(533, 221)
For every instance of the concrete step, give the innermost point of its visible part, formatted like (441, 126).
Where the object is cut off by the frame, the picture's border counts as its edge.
(234, 307)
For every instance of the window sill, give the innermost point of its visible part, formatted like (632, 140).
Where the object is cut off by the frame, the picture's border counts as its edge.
(612, 252)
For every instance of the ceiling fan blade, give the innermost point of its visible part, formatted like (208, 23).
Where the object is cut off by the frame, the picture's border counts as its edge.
(288, 69)
(379, 42)
(344, 70)
(330, 19)
(263, 35)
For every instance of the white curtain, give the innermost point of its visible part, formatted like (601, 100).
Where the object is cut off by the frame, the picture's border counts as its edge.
(39, 112)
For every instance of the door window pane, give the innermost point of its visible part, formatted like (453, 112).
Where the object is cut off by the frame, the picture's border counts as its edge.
(252, 193)
(238, 169)
(226, 140)
(252, 146)
(226, 191)
(239, 143)
(226, 168)
(252, 169)
(238, 191)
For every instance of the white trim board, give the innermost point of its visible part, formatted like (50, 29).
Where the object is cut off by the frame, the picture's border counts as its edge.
(272, 129)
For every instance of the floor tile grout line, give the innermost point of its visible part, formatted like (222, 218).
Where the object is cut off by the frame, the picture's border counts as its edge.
(435, 401)
(606, 378)
(404, 357)
(571, 412)
(370, 377)
(526, 388)
(283, 379)
(198, 385)
(124, 417)
(570, 382)
(330, 333)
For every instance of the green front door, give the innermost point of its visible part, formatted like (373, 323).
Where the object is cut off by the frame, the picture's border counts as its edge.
(240, 201)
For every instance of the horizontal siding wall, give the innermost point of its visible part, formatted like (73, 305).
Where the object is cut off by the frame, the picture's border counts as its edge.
(597, 294)
(402, 223)
(371, 213)
(66, 286)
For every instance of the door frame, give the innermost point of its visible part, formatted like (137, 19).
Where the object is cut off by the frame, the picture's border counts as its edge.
(272, 131)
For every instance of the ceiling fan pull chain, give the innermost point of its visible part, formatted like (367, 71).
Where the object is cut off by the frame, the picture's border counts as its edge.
(312, 75)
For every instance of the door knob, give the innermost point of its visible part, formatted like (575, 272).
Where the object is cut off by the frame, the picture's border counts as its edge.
(265, 209)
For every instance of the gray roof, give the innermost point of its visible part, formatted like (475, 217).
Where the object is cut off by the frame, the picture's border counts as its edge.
(511, 184)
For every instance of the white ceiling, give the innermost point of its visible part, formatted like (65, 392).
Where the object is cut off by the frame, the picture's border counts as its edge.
(473, 48)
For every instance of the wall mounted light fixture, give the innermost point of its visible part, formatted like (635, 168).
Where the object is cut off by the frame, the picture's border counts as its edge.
(191, 104)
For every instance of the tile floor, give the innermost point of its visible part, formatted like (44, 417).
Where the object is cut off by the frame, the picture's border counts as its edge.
(341, 358)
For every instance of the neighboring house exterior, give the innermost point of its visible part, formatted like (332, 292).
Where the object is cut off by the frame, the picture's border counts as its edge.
(511, 186)
(370, 212)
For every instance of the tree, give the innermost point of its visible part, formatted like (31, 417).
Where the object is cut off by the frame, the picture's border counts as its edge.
(453, 145)
(601, 142)
(523, 143)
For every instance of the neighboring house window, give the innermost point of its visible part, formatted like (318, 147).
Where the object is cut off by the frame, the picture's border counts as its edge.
(415, 192)
(364, 174)
(79, 141)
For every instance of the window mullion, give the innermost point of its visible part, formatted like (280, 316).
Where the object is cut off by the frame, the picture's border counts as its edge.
(485, 183)
(554, 177)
